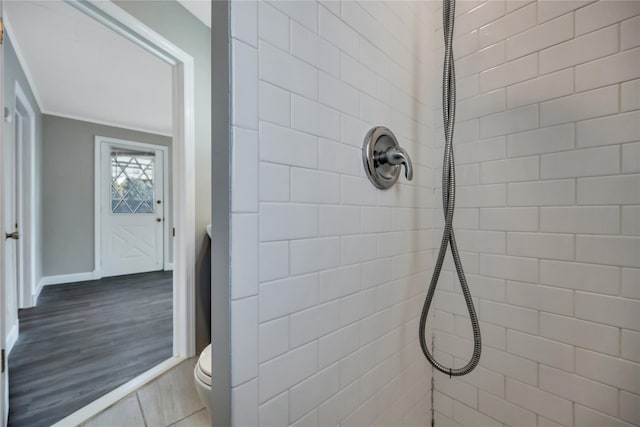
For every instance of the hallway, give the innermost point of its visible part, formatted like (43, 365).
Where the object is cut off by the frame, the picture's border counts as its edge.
(84, 340)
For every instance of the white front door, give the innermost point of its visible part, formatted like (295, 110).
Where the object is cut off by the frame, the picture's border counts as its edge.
(132, 205)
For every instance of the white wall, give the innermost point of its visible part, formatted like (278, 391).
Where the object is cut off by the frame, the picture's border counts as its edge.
(548, 215)
(328, 273)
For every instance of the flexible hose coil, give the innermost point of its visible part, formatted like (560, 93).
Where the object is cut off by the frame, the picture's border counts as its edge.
(448, 203)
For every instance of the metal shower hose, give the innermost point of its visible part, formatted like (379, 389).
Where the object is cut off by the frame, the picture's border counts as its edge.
(448, 203)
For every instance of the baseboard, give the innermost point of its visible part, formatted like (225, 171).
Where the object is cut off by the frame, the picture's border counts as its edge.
(96, 407)
(12, 337)
(67, 278)
(36, 294)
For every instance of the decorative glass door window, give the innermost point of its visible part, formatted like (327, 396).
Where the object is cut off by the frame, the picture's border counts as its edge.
(132, 182)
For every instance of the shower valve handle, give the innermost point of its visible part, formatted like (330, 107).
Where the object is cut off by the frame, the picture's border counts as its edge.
(396, 156)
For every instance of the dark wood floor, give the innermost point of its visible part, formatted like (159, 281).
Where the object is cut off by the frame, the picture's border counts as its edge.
(85, 339)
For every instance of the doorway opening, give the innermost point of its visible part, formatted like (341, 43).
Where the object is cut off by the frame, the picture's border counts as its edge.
(145, 234)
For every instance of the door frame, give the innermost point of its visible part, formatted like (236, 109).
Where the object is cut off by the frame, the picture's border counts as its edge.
(183, 159)
(98, 183)
(28, 294)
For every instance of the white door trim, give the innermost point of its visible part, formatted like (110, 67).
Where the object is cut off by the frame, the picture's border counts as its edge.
(27, 212)
(98, 183)
(183, 158)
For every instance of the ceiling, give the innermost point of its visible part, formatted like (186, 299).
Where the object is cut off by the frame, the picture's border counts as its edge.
(78, 68)
(201, 9)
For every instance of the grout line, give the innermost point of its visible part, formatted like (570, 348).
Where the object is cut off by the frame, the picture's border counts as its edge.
(144, 419)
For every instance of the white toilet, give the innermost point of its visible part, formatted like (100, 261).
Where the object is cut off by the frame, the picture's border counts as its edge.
(202, 375)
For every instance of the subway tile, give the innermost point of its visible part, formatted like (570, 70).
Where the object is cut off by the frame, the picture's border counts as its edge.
(631, 283)
(304, 255)
(301, 220)
(541, 193)
(631, 158)
(547, 352)
(630, 95)
(311, 324)
(539, 297)
(339, 158)
(538, 245)
(309, 47)
(481, 105)
(273, 25)
(630, 345)
(458, 390)
(358, 191)
(481, 196)
(541, 402)
(339, 282)
(481, 150)
(316, 119)
(608, 370)
(305, 13)
(336, 408)
(301, 292)
(338, 95)
(580, 219)
(610, 70)
(540, 89)
(507, 26)
(274, 104)
(481, 60)
(578, 389)
(357, 306)
(543, 140)
(581, 106)
(541, 36)
(614, 129)
(551, 9)
(310, 393)
(610, 190)
(377, 219)
(244, 255)
(357, 75)
(273, 338)
(580, 49)
(300, 77)
(244, 340)
(312, 186)
(504, 411)
(278, 374)
(338, 344)
(509, 170)
(465, 44)
(274, 182)
(358, 248)
(612, 250)
(244, 180)
(337, 220)
(509, 73)
(337, 32)
(509, 219)
(631, 220)
(274, 261)
(244, 85)
(583, 277)
(630, 33)
(287, 146)
(244, 21)
(510, 121)
(509, 316)
(510, 365)
(590, 418)
(468, 416)
(589, 335)
(577, 163)
(609, 310)
(601, 14)
(479, 16)
(630, 407)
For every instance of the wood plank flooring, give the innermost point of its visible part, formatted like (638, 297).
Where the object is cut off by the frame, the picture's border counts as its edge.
(85, 339)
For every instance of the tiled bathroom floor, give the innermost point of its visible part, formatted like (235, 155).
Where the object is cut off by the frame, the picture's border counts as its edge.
(170, 400)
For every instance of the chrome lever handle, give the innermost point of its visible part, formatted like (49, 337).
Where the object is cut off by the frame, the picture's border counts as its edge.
(396, 156)
(15, 235)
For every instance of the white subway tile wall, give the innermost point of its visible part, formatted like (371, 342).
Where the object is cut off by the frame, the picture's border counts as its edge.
(551, 120)
(328, 273)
